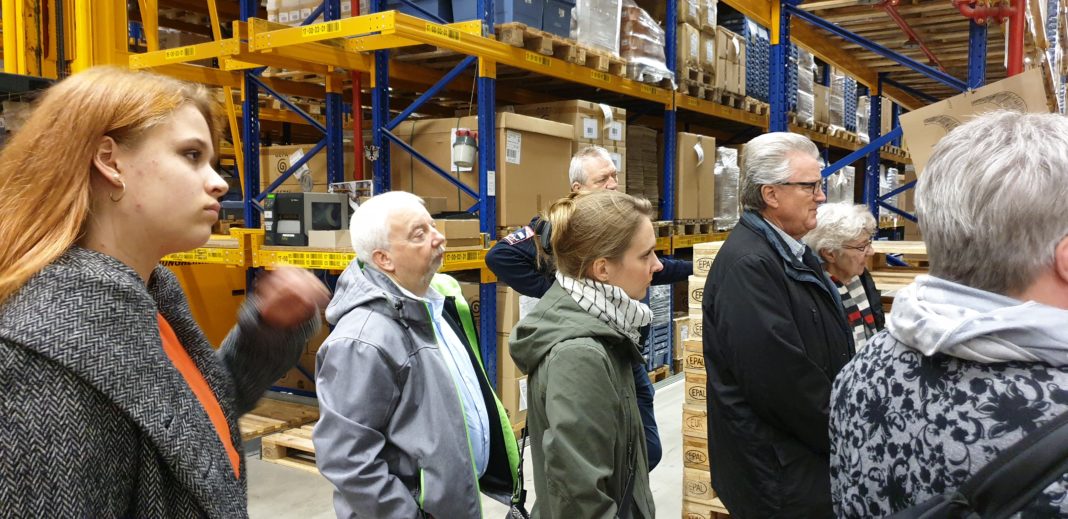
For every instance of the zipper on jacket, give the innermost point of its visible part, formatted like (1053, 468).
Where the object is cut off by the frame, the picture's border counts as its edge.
(463, 414)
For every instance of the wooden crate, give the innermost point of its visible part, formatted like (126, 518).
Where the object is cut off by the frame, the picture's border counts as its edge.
(696, 387)
(271, 416)
(713, 510)
(292, 448)
(697, 485)
(695, 421)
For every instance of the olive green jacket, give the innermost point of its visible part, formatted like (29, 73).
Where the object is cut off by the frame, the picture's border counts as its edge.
(586, 434)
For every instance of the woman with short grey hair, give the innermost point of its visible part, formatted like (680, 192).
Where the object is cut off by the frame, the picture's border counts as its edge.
(842, 239)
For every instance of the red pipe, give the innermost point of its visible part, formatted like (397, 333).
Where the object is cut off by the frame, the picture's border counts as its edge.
(1017, 25)
(357, 114)
(890, 6)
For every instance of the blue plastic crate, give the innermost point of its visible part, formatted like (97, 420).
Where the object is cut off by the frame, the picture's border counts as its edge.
(527, 12)
(440, 8)
(658, 357)
(557, 18)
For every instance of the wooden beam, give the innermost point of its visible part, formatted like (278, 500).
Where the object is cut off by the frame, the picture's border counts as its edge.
(831, 4)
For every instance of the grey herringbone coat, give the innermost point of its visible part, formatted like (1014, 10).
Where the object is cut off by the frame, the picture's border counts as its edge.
(96, 421)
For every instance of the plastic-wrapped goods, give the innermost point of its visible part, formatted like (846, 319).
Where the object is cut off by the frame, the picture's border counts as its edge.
(889, 180)
(689, 44)
(642, 45)
(806, 81)
(707, 16)
(660, 304)
(806, 107)
(840, 185)
(597, 24)
(836, 102)
(863, 110)
(726, 190)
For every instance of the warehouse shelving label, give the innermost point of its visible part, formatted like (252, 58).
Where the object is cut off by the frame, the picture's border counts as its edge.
(536, 58)
(181, 53)
(308, 260)
(441, 30)
(213, 256)
(320, 29)
(601, 76)
(651, 90)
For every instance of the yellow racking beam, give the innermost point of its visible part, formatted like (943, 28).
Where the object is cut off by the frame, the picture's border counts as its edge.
(11, 41)
(211, 49)
(693, 104)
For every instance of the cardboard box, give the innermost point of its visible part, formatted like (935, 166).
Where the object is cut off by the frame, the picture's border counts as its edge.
(689, 11)
(275, 160)
(694, 453)
(708, 52)
(532, 161)
(614, 126)
(585, 117)
(689, 41)
(886, 118)
(317, 341)
(730, 57)
(511, 383)
(707, 10)
(619, 158)
(507, 308)
(680, 327)
(695, 421)
(459, 233)
(822, 103)
(695, 182)
(697, 485)
(330, 239)
(294, 379)
(925, 127)
(696, 387)
(435, 204)
(472, 294)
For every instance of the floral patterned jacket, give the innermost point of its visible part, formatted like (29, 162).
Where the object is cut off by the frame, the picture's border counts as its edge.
(905, 427)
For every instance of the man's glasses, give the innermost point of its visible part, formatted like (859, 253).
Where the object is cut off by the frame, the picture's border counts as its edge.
(812, 187)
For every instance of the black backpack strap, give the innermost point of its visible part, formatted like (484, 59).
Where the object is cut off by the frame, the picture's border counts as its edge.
(1019, 473)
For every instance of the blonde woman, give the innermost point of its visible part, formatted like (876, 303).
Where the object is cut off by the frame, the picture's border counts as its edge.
(114, 404)
(578, 346)
(842, 238)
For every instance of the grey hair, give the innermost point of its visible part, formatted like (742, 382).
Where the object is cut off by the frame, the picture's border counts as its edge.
(839, 223)
(577, 171)
(369, 226)
(766, 161)
(990, 202)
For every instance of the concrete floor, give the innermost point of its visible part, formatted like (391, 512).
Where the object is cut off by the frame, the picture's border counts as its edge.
(277, 491)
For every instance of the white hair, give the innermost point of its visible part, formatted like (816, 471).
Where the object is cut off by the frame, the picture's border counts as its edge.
(991, 200)
(577, 171)
(839, 223)
(369, 227)
(766, 161)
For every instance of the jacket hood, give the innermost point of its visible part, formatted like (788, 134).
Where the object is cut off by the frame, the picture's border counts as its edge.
(933, 315)
(359, 286)
(558, 318)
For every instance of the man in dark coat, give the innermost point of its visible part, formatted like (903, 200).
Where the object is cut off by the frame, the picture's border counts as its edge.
(774, 338)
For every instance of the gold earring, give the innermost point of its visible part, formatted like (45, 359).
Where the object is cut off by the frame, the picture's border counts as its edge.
(121, 194)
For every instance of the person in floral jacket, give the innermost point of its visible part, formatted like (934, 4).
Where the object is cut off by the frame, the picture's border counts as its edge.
(975, 355)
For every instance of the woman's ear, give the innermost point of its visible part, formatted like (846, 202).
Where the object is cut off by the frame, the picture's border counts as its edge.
(105, 160)
(1060, 260)
(599, 270)
(828, 255)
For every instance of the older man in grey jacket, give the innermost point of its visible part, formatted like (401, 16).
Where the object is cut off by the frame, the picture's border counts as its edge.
(409, 424)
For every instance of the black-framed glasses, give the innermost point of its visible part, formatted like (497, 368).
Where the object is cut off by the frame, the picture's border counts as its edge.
(859, 248)
(811, 186)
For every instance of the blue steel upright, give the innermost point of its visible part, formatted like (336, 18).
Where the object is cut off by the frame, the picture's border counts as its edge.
(977, 36)
(667, 211)
(250, 131)
(380, 113)
(872, 179)
(487, 201)
(780, 51)
(335, 149)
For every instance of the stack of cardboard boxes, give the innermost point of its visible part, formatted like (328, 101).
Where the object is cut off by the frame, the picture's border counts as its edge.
(698, 494)
(592, 123)
(730, 62)
(642, 160)
(695, 177)
(696, 37)
(511, 383)
(275, 160)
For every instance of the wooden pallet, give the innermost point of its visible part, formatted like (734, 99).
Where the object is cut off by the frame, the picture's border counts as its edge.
(548, 44)
(662, 229)
(712, 510)
(728, 99)
(292, 448)
(691, 227)
(659, 374)
(271, 416)
(755, 106)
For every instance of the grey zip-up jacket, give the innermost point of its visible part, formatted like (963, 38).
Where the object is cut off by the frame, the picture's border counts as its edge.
(391, 436)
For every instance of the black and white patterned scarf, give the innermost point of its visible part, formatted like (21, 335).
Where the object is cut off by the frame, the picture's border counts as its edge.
(608, 303)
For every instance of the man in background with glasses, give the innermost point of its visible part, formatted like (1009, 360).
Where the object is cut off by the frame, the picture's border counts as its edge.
(775, 336)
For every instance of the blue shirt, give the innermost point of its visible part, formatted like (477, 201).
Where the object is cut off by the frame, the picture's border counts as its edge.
(796, 247)
(466, 381)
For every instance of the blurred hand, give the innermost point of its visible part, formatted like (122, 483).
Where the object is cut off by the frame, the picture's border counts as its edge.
(289, 296)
